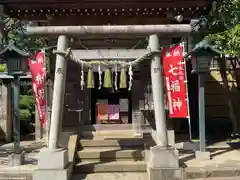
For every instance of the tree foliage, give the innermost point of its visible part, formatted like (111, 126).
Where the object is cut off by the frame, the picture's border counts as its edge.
(223, 24)
(14, 31)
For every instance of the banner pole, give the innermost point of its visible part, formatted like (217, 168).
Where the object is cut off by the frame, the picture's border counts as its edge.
(46, 98)
(184, 48)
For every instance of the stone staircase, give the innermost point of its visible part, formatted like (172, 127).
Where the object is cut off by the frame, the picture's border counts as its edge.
(110, 151)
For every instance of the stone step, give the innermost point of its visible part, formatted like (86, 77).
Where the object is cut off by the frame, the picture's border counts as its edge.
(108, 154)
(99, 143)
(115, 166)
(115, 134)
(111, 176)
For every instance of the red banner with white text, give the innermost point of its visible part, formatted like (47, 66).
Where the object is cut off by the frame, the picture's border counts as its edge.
(37, 68)
(174, 76)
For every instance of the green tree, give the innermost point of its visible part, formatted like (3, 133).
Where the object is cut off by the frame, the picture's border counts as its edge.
(223, 24)
(13, 30)
(223, 31)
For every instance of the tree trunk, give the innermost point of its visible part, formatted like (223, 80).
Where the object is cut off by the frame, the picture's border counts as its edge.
(232, 114)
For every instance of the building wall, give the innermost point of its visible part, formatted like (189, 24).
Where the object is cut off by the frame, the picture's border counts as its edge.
(216, 97)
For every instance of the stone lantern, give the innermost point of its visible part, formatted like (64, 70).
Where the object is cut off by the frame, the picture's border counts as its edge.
(16, 61)
(201, 57)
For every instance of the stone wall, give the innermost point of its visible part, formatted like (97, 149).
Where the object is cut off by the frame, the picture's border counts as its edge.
(5, 113)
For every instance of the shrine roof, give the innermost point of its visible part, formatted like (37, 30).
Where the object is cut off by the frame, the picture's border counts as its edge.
(203, 45)
(37, 4)
(4, 75)
(11, 47)
(104, 7)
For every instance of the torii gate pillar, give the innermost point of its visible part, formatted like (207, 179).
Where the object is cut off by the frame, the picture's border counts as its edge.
(53, 160)
(162, 160)
(158, 93)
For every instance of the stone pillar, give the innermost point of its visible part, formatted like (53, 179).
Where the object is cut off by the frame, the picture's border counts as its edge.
(17, 157)
(52, 163)
(202, 154)
(58, 93)
(162, 160)
(158, 93)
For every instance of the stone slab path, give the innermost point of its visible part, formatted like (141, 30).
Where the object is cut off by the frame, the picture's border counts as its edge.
(111, 176)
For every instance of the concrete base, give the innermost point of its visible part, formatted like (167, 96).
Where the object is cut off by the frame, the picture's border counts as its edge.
(163, 164)
(16, 159)
(163, 157)
(202, 156)
(165, 173)
(53, 165)
(53, 174)
(53, 159)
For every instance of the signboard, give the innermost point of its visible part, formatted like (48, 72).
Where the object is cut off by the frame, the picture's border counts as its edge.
(113, 111)
(37, 68)
(174, 76)
(108, 111)
(102, 110)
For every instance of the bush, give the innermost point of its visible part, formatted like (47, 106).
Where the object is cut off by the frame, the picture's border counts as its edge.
(26, 126)
(3, 67)
(27, 102)
(25, 114)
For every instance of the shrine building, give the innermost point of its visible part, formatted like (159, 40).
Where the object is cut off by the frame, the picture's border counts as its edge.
(102, 98)
(139, 98)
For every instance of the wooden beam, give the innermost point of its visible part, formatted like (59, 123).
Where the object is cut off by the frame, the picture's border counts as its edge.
(104, 54)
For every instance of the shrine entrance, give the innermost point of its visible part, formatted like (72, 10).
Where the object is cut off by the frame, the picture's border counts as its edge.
(110, 105)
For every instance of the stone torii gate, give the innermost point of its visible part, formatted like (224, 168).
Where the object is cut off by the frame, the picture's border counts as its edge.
(161, 158)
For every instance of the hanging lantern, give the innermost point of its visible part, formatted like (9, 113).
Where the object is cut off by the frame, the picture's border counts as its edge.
(107, 79)
(123, 79)
(90, 82)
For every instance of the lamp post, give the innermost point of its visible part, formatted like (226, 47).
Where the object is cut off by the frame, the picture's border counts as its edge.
(16, 67)
(201, 56)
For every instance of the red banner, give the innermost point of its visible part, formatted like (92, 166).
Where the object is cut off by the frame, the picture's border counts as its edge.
(37, 68)
(174, 76)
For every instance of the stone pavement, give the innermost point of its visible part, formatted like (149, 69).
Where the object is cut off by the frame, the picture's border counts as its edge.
(225, 162)
(224, 178)
(132, 176)
(25, 171)
(110, 176)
